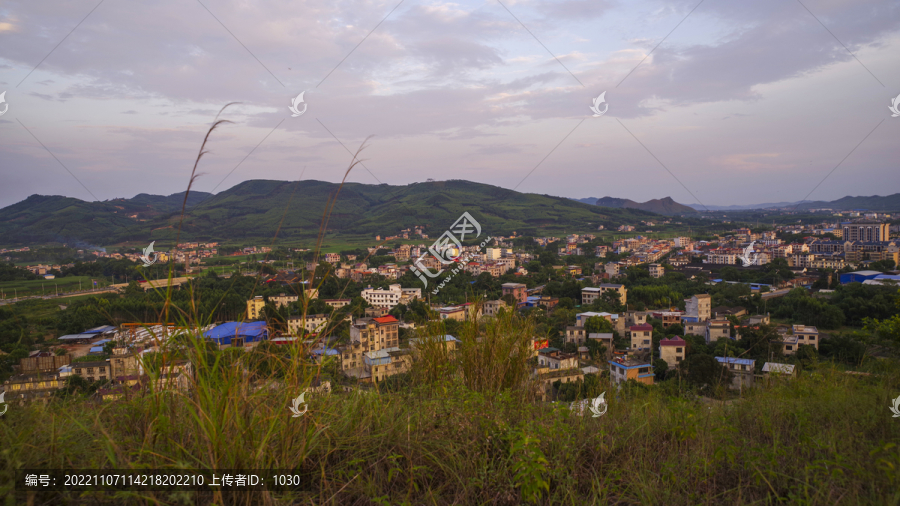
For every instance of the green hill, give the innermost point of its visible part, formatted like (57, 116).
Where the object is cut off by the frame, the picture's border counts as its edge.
(254, 209)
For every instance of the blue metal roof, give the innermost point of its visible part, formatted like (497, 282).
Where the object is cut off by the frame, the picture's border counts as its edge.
(733, 360)
(251, 331)
(97, 349)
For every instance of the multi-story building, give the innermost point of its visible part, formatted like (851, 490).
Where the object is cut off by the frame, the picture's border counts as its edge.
(622, 370)
(672, 350)
(576, 335)
(802, 334)
(492, 307)
(641, 336)
(93, 371)
(865, 231)
(311, 323)
(336, 303)
(554, 359)
(698, 306)
(614, 287)
(24, 388)
(717, 329)
(517, 290)
(386, 362)
(283, 300)
(668, 317)
(332, 258)
(657, 271)
(391, 297)
(743, 370)
(255, 307)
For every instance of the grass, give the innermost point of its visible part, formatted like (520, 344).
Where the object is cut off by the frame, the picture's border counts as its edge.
(824, 438)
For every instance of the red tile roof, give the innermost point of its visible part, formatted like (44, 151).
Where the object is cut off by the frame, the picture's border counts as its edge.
(643, 326)
(386, 319)
(673, 341)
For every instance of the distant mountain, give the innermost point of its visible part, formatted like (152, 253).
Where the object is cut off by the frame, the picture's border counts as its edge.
(258, 208)
(872, 203)
(665, 206)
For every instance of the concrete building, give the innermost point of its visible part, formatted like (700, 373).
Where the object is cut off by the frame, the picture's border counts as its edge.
(717, 329)
(615, 287)
(554, 359)
(391, 297)
(517, 290)
(657, 271)
(336, 303)
(283, 300)
(255, 307)
(672, 350)
(743, 370)
(641, 336)
(622, 370)
(312, 323)
(492, 307)
(699, 306)
(865, 231)
(802, 334)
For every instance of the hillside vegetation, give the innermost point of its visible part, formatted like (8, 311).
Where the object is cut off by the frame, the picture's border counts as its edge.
(254, 210)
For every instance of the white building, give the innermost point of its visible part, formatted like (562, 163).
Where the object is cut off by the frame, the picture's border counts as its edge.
(389, 298)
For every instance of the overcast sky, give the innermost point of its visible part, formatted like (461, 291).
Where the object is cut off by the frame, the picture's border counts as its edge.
(725, 102)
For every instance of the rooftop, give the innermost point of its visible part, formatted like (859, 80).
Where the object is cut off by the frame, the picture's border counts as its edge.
(734, 360)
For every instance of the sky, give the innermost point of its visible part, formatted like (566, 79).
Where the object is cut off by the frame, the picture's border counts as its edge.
(712, 102)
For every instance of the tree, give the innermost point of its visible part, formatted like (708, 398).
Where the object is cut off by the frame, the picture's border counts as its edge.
(597, 325)
(660, 367)
(704, 371)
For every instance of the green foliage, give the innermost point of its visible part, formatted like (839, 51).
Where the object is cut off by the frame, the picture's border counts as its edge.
(529, 466)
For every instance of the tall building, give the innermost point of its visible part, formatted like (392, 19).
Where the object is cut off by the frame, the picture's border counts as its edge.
(865, 231)
(255, 307)
(699, 307)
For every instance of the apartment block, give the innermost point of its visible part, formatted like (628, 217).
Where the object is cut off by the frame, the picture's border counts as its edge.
(255, 307)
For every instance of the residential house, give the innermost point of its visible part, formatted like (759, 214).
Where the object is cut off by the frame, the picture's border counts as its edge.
(391, 297)
(517, 290)
(668, 317)
(93, 371)
(615, 287)
(24, 388)
(554, 359)
(801, 334)
(672, 350)
(492, 307)
(622, 369)
(386, 362)
(336, 303)
(576, 335)
(283, 300)
(699, 307)
(641, 336)
(657, 271)
(717, 329)
(743, 370)
(311, 323)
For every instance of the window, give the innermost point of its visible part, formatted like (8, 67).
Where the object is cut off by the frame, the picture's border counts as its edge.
(677, 350)
(677, 359)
